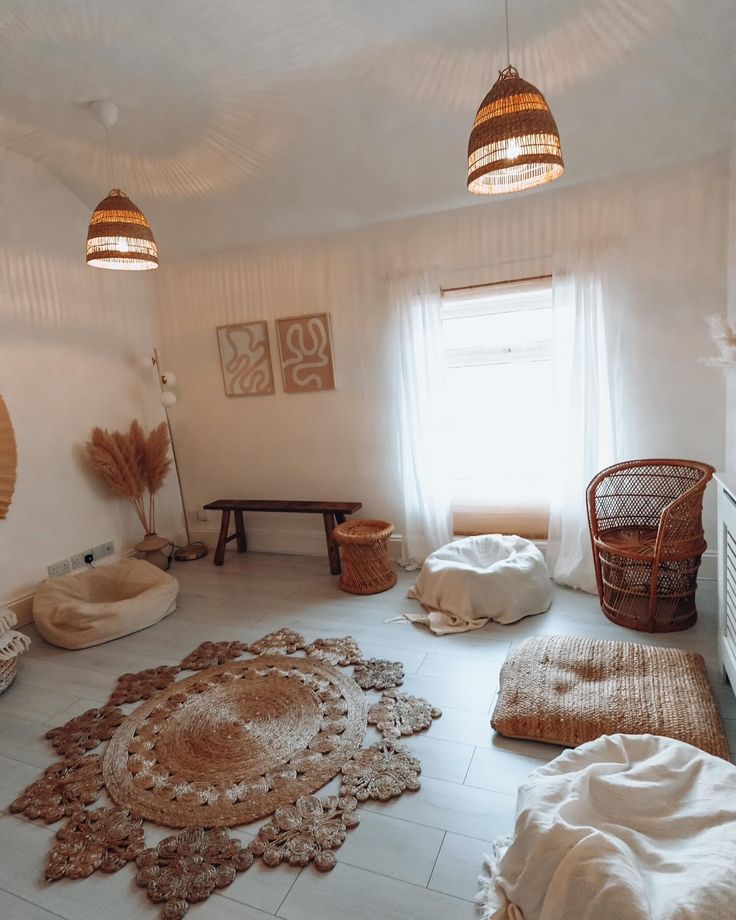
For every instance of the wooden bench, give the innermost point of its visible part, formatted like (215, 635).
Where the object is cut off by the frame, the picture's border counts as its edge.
(333, 513)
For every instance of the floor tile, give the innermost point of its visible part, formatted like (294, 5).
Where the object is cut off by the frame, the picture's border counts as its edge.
(473, 695)
(15, 908)
(261, 887)
(466, 667)
(23, 740)
(14, 777)
(498, 770)
(398, 849)
(440, 759)
(463, 727)
(347, 893)
(221, 907)
(34, 703)
(451, 807)
(458, 866)
(53, 675)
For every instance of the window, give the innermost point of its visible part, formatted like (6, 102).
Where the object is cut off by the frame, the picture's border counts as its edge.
(498, 352)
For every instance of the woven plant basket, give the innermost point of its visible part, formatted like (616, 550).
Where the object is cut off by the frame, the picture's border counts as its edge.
(12, 644)
(366, 568)
(8, 670)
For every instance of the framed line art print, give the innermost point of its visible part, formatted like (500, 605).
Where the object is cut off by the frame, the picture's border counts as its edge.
(245, 359)
(305, 351)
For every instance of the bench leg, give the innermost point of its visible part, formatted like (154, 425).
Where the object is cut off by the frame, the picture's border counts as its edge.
(222, 539)
(333, 551)
(240, 532)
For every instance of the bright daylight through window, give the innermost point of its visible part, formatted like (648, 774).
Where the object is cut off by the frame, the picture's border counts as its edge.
(498, 353)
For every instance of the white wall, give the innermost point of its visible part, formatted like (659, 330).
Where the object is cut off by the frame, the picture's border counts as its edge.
(72, 345)
(671, 227)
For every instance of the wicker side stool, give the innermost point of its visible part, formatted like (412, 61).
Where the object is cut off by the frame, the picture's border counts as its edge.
(366, 568)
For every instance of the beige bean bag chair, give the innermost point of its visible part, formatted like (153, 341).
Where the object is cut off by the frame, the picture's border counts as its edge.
(468, 582)
(95, 606)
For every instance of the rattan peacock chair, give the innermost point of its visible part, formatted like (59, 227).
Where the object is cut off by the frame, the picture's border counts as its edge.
(646, 527)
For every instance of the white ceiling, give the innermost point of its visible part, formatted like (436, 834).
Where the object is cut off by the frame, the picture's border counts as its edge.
(250, 120)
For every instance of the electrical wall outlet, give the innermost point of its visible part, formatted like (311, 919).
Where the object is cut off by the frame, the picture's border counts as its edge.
(201, 515)
(104, 549)
(60, 568)
(78, 558)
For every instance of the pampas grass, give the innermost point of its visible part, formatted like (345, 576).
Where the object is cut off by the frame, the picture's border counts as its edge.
(131, 464)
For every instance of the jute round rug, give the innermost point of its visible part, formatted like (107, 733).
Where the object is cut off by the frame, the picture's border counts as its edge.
(242, 738)
(233, 743)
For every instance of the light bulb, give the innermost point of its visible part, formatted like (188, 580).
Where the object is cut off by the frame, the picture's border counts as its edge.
(513, 150)
(168, 399)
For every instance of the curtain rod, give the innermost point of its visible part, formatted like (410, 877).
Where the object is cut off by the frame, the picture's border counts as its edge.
(470, 287)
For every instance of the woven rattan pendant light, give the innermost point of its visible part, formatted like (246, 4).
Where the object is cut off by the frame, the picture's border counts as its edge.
(119, 236)
(514, 144)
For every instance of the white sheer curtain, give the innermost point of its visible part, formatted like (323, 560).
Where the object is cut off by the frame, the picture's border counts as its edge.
(584, 407)
(422, 421)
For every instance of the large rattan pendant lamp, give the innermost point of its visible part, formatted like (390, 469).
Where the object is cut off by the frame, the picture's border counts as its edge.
(119, 235)
(514, 144)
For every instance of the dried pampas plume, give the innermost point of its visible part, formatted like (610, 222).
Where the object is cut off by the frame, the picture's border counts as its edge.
(724, 337)
(131, 464)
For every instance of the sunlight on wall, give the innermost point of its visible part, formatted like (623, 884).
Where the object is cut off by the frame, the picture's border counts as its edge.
(72, 344)
(342, 444)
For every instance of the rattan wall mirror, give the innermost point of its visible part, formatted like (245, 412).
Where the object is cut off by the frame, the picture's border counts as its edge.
(8, 459)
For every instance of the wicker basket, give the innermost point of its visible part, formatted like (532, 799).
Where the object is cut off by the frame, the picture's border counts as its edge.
(12, 644)
(366, 568)
(646, 527)
(8, 670)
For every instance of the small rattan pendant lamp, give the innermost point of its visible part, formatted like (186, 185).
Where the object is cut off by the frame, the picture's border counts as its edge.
(514, 144)
(119, 236)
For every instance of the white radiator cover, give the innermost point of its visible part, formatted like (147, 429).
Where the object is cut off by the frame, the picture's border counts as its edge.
(727, 574)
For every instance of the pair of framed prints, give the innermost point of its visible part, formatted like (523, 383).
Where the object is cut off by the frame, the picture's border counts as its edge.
(305, 354)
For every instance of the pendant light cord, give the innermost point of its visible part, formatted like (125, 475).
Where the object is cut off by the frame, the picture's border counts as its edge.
(508, 46)
(109, 157)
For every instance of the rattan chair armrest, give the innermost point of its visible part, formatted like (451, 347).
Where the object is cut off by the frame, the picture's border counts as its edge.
(681, 520)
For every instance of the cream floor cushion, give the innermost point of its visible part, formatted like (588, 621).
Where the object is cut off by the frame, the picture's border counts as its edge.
(95, 606)
(627, 827)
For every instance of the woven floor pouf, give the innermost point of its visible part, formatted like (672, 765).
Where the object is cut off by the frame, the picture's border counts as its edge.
(366, 568)
(571, 689)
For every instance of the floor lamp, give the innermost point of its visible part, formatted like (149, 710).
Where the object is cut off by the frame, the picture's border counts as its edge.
(167, 398)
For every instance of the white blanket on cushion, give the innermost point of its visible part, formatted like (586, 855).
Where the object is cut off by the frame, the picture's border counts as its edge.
(468, 582)
(627, 827)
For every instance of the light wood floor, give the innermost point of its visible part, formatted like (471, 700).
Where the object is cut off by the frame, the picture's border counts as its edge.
(416, 858)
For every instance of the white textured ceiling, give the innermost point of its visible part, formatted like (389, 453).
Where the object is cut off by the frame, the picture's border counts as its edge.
(249, 120)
